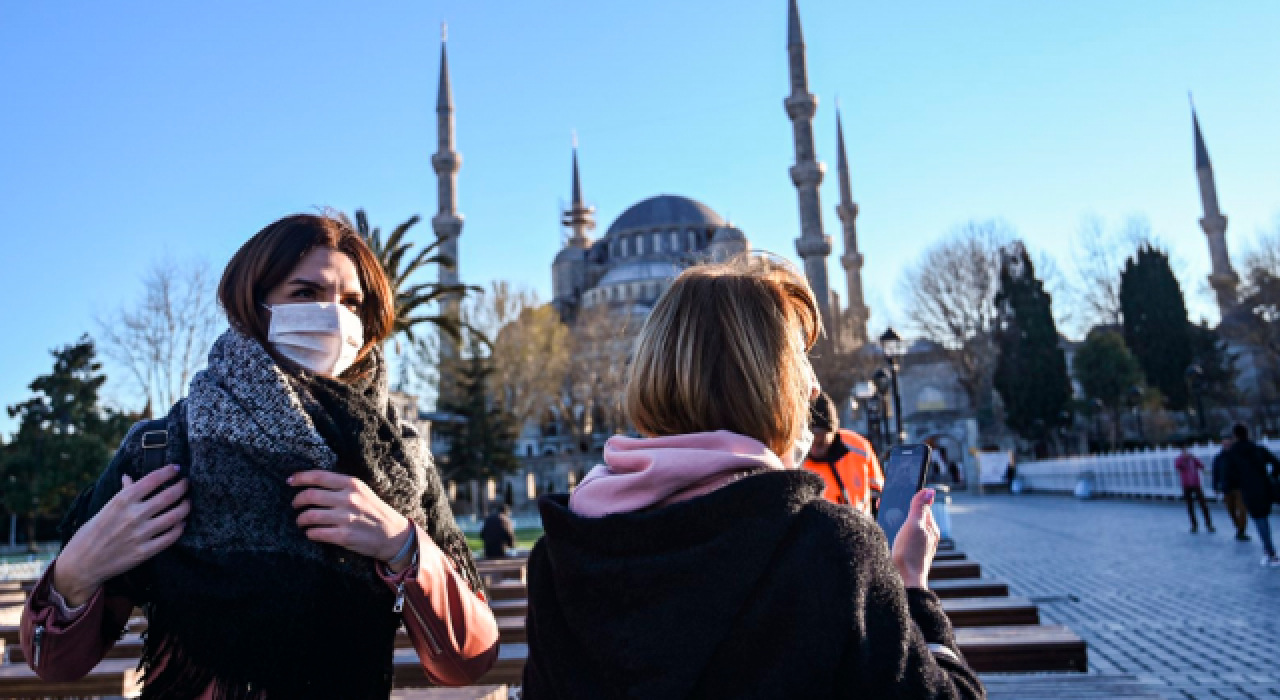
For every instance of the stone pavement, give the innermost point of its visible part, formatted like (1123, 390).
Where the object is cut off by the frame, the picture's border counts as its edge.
(1194, 616)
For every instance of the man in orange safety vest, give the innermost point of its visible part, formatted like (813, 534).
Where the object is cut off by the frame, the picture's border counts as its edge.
(844, 459)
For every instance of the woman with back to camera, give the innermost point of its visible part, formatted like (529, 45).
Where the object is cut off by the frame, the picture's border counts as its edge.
(698, 561)
(282, 521)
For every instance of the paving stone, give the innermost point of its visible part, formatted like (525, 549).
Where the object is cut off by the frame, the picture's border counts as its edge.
(1193, 616)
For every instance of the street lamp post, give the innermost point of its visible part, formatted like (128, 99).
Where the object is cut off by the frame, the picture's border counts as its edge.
(1195, 377)
(1098, 407)
(1135, 400)
(885, 385)
(894, 349)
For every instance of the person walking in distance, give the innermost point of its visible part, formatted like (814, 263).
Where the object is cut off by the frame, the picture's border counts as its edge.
(844, 459)
(498, 533)
(1231, 497)
(1189, 469)
(1251, 468)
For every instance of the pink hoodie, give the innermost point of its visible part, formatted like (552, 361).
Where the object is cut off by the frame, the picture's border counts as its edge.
(641, 473)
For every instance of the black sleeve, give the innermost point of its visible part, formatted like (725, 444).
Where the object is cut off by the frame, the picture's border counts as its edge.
(1270, 459)
(907, 648)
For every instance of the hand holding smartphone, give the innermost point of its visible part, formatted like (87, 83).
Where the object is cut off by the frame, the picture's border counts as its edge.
(904, 475)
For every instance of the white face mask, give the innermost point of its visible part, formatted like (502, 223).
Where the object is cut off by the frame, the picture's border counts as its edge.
(801, 448)
(322, 337)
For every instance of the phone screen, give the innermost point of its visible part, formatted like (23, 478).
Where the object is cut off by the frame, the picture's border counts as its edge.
(904, 473)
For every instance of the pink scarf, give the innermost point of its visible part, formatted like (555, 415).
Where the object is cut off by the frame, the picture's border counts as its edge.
(641, 473)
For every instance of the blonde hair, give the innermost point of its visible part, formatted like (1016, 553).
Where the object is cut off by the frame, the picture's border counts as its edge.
(724, 349)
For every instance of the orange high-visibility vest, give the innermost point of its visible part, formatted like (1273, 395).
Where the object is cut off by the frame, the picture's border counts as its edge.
(859, 470)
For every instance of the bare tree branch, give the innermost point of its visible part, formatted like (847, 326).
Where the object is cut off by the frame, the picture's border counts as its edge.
(950, 299)
(163, 339)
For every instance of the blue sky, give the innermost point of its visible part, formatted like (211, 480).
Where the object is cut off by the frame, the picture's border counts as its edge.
(138, 130)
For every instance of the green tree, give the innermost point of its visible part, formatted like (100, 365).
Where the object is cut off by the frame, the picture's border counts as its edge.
(1031, 373)
(1106, 371)
(1156, 328)
(64, 438)
(412, 299)
(481, 437)
(1218, 381)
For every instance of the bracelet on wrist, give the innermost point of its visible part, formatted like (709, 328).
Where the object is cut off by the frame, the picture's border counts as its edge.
(405, 551)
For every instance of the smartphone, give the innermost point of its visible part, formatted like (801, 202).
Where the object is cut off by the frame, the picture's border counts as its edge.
(904, 474)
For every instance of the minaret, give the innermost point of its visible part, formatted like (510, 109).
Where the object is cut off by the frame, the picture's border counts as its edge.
(579, 218)
(569, 271)
(1222, 278)
(813, 246)
(446, 161)
(847, 210)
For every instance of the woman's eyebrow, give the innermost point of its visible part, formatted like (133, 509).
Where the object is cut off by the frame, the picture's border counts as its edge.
(308, 283)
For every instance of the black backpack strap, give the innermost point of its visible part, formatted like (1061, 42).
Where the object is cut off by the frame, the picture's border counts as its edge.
(155, 444)
(844, 492)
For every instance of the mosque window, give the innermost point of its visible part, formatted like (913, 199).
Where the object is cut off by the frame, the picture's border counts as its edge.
(640, 244)
(657, 242)
(675, 241)
(693, 239)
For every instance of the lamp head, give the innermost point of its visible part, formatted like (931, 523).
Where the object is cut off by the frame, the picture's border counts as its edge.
(891, 344)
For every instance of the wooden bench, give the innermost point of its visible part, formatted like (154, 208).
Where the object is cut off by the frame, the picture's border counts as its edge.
(13, 598)
(988, 650)
(113, 678)
(1065, 686)
(10, 634)
(990, 612)
(474, 692)
(1023, 648)
(947, 570)
(969, 588)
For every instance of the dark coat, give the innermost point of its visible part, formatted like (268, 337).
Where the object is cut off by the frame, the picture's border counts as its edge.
(760, 589)
(498, 534)
(1220, 471)
(1247, 465)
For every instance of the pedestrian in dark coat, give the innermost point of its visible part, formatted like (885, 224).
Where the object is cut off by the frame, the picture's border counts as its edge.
(1252, 469)
(700, 560)
(1231, 497)
(498, 533)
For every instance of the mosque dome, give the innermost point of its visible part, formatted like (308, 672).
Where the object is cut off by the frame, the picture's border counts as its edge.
(666, 211)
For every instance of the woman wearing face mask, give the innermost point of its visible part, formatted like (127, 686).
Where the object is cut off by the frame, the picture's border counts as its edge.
(699, 561)
(282, 522)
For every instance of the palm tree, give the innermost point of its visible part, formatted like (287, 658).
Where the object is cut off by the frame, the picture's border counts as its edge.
(400, 264)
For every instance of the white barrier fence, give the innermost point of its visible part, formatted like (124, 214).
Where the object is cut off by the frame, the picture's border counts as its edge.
(1138, 473)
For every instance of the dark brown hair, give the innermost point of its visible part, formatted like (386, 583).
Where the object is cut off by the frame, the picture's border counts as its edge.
(266, 260)
(724, 349)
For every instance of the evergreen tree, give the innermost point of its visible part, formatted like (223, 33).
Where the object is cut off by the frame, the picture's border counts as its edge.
(1031, 373)
(1106, 371)
(1156, 328)
(481, 442)
(1219, 371)
(64, 438)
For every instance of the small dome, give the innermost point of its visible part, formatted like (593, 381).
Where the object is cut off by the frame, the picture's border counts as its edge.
(570, 254)
(729, 234)
(666, 211)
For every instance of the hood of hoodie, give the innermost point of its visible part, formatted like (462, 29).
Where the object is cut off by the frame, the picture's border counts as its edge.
(641, 473)
(648, 596)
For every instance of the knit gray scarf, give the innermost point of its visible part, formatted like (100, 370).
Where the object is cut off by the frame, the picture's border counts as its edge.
(244, 600)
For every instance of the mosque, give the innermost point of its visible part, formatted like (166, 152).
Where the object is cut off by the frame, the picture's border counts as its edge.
(626, 270)
(645, 247)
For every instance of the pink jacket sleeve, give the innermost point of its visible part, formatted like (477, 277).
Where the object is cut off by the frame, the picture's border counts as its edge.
(451, 626)
(60, 648)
